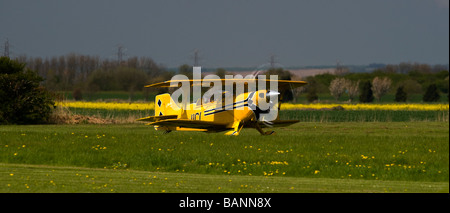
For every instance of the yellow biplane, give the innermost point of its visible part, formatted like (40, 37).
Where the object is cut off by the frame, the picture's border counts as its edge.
(216, 115)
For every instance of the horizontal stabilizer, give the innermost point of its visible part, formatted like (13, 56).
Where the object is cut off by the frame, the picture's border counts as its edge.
(157, 118)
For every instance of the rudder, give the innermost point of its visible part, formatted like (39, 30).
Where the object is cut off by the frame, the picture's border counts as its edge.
(164, 105)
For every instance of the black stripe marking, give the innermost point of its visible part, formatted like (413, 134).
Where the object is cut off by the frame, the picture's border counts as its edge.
(223, 110)
(219, 108)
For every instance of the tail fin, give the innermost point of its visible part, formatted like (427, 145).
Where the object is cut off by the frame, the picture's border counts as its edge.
(164, 105)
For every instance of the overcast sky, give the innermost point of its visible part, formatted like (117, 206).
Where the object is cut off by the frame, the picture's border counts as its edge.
(232, 33)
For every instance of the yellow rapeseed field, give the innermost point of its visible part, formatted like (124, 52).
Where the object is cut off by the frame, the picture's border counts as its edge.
(107, 105)
(360, 106)
(284, 106)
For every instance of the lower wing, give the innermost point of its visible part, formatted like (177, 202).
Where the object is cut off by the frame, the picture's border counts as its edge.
(190, 124)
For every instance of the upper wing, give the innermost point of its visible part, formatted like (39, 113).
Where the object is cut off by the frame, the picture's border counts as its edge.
(287, 84)
(282, 84)
(190, 124)
(157, 118)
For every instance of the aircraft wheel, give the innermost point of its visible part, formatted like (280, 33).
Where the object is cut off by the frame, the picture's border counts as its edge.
(269, 133)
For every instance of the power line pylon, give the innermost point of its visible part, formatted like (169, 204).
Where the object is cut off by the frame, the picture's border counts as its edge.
(6, 48)
(120, 53)
(272, 61)
(196, 58)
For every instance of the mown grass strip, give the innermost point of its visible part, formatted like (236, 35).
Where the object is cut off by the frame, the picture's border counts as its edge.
(15, 178)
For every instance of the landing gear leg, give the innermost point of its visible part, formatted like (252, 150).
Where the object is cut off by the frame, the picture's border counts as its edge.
(261, 131)
(237, 128)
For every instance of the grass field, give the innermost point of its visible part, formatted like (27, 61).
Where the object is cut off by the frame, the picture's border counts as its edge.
(306, 157)
(128, 116)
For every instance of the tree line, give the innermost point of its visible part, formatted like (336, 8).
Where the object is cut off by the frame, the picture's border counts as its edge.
(90, 74)
(85, 74)
(402, 80)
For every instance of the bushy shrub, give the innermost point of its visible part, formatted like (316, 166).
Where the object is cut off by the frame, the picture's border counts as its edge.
(400, 95)
(432, 94)
(312, 95)
(77, 95)
(366, 94)
(22, 100)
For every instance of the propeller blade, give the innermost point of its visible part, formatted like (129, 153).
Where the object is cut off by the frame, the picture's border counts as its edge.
(272, 93)
(267, 123)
